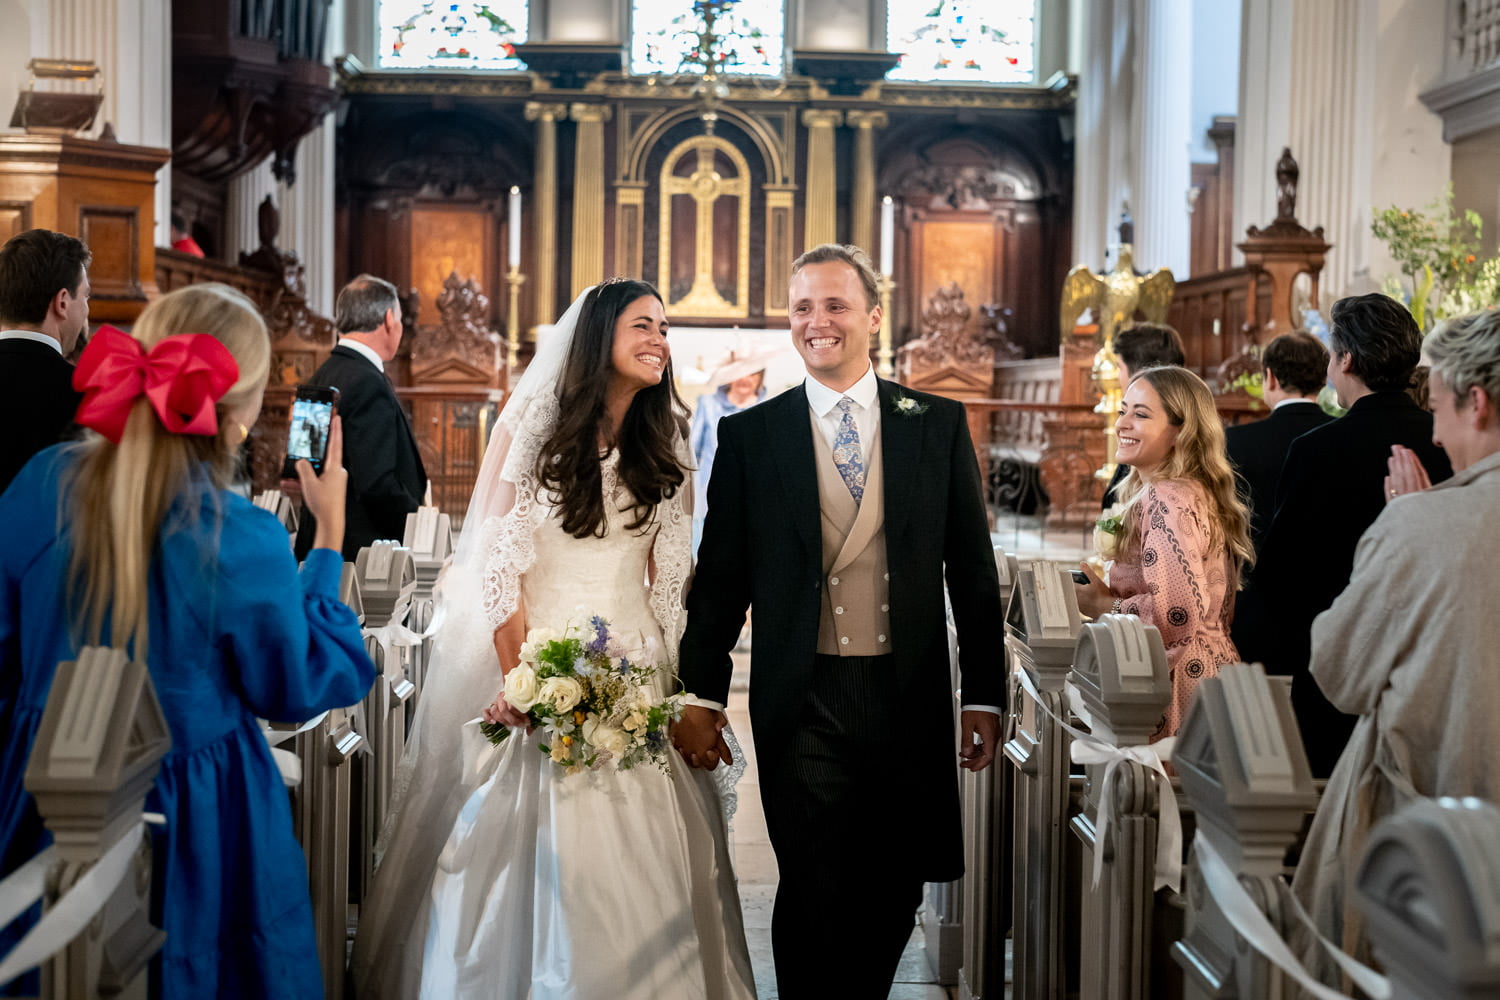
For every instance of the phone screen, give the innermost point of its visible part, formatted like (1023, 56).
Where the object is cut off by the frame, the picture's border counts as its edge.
(308, 437)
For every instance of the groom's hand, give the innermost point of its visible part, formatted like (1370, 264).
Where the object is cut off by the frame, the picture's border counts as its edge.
(697, 736)
(978, 738)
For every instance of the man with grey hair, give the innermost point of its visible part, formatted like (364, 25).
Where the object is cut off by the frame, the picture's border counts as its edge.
(386, 477)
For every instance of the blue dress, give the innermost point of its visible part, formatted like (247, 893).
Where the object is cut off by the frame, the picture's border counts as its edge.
(229, 641)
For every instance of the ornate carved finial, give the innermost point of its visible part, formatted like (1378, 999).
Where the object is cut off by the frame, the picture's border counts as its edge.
(1286, 187)
(461, 347)
(1127, 225)
(268, 223)
(946, 335)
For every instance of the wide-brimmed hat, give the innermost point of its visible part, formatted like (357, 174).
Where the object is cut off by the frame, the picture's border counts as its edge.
(736, 365)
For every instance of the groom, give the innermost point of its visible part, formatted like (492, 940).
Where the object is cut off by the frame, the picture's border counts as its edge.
(838, 510)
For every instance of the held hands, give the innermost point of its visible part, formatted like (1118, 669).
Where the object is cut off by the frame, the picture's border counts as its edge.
(978, 738)
(699, 737)
(1094, 598)
(324, 494)
(1406, 473)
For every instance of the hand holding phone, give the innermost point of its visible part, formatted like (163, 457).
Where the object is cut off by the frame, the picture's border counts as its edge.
(324, 492)
(308, 430)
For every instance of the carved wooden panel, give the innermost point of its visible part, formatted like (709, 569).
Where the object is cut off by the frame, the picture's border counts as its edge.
(447, 240)
(956, 252)
(113, 235)
(15, 218)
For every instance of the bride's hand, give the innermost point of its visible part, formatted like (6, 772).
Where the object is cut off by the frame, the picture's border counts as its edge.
(500, 711)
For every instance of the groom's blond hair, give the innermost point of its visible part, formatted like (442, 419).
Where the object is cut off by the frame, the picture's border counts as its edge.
(826, 253)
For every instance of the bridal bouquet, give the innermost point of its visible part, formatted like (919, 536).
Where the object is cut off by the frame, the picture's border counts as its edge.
(581, 688)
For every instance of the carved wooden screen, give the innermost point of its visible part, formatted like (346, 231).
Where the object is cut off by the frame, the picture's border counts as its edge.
(445, 241)
(957, 248)
(704, 233)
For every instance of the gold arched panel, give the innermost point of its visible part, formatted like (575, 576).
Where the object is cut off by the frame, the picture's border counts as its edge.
(704, 230)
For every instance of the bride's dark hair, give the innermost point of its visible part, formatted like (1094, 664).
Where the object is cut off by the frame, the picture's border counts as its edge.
(568, 466)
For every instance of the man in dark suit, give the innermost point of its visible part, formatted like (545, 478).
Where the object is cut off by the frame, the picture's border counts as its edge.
(386, 478)
(838, 510)
(1295, 368)
(1332, 488)
(44, 308)
(1145, 345)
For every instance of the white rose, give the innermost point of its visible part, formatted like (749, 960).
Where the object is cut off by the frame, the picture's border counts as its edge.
(521, 688)
(562, 693)
(636, 721)
(605, 737)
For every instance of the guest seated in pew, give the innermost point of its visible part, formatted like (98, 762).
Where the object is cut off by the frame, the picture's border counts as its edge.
(128, 538)
(1184, 533)
(1412, 645)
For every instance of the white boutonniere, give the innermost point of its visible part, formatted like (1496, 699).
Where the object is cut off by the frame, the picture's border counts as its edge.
(908, 407)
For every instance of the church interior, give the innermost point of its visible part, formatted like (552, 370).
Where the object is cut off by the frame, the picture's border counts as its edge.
(1030, 178)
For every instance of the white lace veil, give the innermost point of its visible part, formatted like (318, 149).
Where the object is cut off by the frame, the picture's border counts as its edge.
(479, 591)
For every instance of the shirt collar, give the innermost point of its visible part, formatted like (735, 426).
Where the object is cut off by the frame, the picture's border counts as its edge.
(822, 399)
(1287, 402)
(40, 338)
(364, 350)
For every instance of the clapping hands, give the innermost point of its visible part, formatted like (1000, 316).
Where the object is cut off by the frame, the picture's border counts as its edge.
(1406, 474)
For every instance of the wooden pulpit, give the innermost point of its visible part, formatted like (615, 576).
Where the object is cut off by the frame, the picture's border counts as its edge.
(99, 191)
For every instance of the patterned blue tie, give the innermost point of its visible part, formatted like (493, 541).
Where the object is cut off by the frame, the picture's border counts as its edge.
(846, 452)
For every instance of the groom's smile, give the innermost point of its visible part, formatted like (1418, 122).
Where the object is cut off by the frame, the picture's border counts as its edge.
(832, 320)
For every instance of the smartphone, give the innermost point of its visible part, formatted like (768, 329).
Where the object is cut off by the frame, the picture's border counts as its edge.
(1079, 576)
(307, 436)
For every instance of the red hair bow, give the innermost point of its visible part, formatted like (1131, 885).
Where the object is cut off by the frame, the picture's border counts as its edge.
(182, 377)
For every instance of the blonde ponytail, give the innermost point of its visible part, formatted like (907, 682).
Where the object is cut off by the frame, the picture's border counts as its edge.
(116, 498)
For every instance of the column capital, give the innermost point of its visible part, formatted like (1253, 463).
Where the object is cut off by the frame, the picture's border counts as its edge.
(867, 119)
(590, 112)
(822, 118)
(538, 111)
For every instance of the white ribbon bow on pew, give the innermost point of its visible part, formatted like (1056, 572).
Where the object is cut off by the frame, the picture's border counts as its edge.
(1090, 749)
(1251, 923)
(66, 918)
(288, 763)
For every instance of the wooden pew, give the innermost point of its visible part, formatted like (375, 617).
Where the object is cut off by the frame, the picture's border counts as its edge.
(1429, 886)
(963, 915)
(429, 536)
(1120, 671)
(1042, 626)
(1244, 770)
(97, 753)
(387, 579)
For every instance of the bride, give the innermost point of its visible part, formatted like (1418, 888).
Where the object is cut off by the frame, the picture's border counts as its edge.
(501, 875)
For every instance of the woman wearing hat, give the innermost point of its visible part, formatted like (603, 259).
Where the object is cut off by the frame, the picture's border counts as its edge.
(741, 382)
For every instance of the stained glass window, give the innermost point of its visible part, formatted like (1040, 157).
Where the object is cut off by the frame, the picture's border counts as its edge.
(479, 34)
(744, 38)
(963, 41)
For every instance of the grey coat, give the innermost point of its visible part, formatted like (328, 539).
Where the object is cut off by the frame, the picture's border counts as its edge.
(1412, 646)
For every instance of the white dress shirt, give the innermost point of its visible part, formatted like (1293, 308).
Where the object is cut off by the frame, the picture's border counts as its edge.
(824, 403)
(1294, 399)
(40, 338)
(364, 350)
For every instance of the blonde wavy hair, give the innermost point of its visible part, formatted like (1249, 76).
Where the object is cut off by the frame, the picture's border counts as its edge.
(116, 497)
(1198, 455)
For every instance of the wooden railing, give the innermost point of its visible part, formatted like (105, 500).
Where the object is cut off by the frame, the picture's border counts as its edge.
(176, 270)
(1210, 313)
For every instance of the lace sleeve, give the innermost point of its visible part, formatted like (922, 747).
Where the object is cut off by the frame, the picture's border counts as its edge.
(672, 557)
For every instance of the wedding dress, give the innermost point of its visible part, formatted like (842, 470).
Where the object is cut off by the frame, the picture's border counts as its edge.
(501, 875)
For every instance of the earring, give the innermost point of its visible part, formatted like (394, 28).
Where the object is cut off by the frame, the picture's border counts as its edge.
(244, 432)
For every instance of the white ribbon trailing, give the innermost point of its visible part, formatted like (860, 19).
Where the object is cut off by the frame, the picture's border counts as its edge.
(71, 913)
(1090, 749)
(288, 763)
(1255, 927)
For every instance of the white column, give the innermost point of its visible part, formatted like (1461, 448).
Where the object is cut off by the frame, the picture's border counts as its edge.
(1163, 110)
(1102, 128)
(307, 214)
(307, 206)
(131, 42)
(242, 222)
(1316, 75)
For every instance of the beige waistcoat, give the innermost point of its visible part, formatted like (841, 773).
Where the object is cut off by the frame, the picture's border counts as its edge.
(855, 618)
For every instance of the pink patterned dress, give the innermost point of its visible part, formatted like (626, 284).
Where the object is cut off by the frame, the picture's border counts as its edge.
(1176, 580)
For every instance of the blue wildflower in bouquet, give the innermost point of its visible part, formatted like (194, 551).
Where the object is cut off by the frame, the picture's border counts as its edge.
(593, 702)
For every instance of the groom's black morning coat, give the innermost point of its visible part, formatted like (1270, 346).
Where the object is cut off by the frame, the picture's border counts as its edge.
(762, 547)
